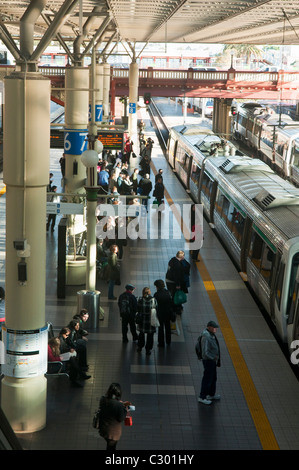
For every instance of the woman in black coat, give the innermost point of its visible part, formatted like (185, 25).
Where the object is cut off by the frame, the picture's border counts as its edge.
(177, 276)
(112, 413)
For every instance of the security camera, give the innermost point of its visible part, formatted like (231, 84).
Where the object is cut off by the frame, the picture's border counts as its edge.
(20, 245)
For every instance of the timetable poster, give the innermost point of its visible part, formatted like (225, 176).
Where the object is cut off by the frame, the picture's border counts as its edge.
(26, 352)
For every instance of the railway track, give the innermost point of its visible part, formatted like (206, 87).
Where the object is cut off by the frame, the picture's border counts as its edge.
(161, 128)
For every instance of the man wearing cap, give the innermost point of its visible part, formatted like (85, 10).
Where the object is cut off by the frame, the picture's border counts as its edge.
(127, 304)
(211, 359)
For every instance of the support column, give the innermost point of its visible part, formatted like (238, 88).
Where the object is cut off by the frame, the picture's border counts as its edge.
(26, 173)
(75, 143)
(106, 91)
(216, 115)
(98, 84)
(133, 100)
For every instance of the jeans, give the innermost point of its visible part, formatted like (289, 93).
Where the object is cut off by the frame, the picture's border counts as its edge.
(149, 341)
(208, 384)
(110, 289)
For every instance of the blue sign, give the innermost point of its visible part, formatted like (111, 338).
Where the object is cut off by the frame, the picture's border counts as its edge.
(75, 141)
(98, 113)
(132, 108)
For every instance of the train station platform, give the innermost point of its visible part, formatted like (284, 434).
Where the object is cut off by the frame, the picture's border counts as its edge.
(259, 392)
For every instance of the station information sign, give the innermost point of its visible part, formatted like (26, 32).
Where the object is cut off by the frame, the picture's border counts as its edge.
(112, 140)
(25, 352)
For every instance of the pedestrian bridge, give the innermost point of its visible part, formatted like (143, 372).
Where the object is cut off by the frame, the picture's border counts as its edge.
(229, 83)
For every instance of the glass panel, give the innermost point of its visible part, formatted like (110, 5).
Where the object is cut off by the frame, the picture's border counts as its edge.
(255, 250)
(295, 153)
(207, 185)
(267, 263)
(195, 173)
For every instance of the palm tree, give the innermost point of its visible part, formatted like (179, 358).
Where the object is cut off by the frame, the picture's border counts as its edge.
(244, 50)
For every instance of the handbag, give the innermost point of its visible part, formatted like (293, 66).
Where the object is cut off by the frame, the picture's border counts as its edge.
(179, 297)
(154, 319)
(128, 419)
(134, 155)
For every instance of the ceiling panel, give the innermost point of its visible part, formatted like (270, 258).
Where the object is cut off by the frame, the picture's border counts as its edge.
(198, 21)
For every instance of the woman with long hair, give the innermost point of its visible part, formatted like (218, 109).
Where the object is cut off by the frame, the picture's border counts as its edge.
(112, 414)
(145, 305)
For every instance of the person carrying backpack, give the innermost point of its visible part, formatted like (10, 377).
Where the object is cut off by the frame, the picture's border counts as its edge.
(127, 304)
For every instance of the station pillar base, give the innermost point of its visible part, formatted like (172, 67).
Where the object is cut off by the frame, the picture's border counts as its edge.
(24, 403)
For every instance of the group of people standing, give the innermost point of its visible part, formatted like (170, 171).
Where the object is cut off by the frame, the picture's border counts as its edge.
(147, 314)
(150, 313)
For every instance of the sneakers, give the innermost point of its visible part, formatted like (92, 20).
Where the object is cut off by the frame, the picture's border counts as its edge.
(204, 401)
(214, 397)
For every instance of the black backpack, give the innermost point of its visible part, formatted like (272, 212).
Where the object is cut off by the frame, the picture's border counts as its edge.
(124, 305)
(198, 348)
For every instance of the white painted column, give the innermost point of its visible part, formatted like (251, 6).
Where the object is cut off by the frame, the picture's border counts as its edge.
(75, 143)
(26, 173)
(106, 91)
(133, 100)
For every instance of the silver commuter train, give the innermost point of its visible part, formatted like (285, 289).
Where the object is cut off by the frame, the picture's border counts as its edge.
(255, 213)
(274, 136)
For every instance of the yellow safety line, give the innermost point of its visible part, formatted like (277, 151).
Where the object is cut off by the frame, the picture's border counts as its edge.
(3, 191)
(260, 419)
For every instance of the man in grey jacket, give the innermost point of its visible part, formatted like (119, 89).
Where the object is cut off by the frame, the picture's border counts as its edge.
(211, 360)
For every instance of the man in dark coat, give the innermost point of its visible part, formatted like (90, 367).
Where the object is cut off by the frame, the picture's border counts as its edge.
(127, 304)
(165, 312)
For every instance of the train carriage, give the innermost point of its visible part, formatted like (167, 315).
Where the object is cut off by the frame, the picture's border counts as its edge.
(274, 136)
(256, 215)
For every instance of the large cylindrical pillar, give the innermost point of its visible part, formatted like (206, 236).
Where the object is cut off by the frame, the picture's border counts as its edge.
(76, 120)
(25, 173)
(106, 90)
(75, 143)
(133, 99)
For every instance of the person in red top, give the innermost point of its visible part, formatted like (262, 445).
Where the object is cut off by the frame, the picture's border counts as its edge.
(128, 149)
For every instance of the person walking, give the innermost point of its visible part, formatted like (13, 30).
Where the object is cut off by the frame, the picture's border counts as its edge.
(52, 217)
(165, 313)
(113, 271)
(127, 304)
(112, 413)
(145, 305)
(145, 186)
(210, 352)
(158, 192)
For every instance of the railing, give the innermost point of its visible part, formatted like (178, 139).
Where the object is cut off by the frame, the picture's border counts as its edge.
(150, 73)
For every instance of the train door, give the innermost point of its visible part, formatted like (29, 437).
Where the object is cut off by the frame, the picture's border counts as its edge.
(171, 151)
(293, 303)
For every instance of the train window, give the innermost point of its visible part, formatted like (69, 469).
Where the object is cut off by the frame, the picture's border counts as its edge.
(295, 154)
(261, 256)
(255, 250)
(250, 125)
(236, 222)
(266, 136)
(267, 263)
(207, 185)
(195, 173)
(222, 205)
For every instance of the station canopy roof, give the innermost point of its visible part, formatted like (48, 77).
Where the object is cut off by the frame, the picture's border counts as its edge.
(260, 22)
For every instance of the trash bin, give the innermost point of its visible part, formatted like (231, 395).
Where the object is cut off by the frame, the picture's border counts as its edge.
(91, 301)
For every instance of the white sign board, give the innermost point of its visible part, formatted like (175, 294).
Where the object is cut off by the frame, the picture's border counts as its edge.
(64, 208)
